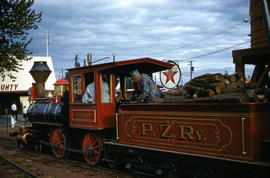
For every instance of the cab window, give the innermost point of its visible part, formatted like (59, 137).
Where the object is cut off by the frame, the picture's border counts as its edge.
(106, 88)
(89, 90)
(76, 89)
(58, 90)
(124, 88)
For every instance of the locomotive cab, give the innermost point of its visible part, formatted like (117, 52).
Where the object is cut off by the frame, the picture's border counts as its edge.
(100, 113)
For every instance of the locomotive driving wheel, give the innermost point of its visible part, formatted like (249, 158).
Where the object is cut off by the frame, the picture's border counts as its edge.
(59, 143)
(92, 147)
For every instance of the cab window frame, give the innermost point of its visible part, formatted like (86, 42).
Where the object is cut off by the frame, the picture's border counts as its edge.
(79, 88)
(109, 81)
(88, 78)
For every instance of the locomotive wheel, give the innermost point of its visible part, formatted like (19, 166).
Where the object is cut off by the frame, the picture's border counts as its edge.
(92, 147)
(59, 140)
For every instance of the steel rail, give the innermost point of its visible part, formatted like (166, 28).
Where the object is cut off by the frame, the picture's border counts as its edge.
(18, 167)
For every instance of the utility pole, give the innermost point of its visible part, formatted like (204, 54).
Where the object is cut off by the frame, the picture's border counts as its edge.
(113, 55)
(77, 64)
(191, 69)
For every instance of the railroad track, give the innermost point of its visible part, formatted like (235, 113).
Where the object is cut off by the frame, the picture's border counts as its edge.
(72, 163)
(20, 170)
(10, 166)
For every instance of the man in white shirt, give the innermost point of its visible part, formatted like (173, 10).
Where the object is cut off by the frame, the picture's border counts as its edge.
(13, 115)
(14, 110)
(25, 113)
(89, 94)
(105, 92)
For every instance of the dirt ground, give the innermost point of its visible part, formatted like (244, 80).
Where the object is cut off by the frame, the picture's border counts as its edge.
(5, 131)
(49, 167)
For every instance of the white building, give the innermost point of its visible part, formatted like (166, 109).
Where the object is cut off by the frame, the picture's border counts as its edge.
(16, 90)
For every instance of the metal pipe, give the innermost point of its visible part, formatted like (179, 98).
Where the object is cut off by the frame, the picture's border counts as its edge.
(57, 147)
(266, 20)
(116, 123)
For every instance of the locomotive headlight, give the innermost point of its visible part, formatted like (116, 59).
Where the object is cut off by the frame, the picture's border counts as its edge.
(26, 137)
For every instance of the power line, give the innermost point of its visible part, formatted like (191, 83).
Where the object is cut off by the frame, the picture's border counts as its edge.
(214, 52)
(203, 39)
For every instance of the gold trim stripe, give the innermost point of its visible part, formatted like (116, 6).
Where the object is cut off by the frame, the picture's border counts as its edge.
(243, 136)
(117, 129)
(177, 113)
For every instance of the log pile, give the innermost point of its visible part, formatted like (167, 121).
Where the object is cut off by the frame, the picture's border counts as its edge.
(214, 88)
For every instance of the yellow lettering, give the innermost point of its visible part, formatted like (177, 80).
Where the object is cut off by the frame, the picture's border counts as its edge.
(164, 133)
(146, 128)
(184, 134)
(199, 135)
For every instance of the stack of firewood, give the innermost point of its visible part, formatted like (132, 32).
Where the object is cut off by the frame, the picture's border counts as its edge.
(217, 88)
(214, 84)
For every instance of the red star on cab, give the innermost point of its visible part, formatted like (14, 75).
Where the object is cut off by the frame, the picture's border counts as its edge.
(170, 75)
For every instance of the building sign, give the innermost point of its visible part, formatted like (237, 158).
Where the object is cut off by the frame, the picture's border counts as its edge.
(171, 78)
(9, 87)
(24, 80)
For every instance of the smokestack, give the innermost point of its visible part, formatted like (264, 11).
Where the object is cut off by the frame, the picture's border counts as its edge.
(89, 59)
(40, 72)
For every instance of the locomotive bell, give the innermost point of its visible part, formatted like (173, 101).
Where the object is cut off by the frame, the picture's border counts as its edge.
(40, 72)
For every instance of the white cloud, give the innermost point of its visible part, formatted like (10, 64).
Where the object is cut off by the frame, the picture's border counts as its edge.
(169, 29)
(132, 3)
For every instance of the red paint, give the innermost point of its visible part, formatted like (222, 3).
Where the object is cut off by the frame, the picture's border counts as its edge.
(100, 115)
(215, 130)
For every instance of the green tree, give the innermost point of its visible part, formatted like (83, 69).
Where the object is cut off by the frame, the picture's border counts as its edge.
(17, 19)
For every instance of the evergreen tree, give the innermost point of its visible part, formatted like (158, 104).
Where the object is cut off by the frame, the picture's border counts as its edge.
(17, 19)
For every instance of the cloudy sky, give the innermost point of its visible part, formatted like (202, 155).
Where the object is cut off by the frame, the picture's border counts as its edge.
(181, 30)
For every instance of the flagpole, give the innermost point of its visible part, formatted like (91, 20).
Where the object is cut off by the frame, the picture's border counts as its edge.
(47, 41)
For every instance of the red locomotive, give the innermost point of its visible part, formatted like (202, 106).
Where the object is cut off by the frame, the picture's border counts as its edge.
(164, 139)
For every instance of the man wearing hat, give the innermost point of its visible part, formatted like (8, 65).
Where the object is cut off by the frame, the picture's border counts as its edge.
(146, 87)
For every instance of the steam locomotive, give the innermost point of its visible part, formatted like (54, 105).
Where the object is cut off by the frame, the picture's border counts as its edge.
(161, 139)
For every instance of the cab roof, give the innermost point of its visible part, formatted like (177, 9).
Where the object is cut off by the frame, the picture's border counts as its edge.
(145, 65)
